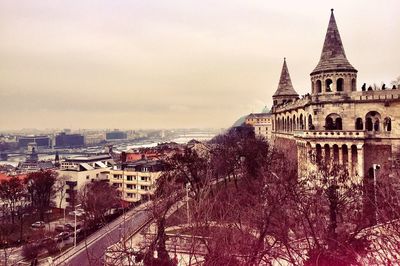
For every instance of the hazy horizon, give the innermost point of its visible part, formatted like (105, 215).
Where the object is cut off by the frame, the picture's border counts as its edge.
(174, 64)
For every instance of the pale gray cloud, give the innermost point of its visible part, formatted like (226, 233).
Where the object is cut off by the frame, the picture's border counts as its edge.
(175, 63)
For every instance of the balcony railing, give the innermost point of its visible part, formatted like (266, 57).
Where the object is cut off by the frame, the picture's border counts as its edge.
(340, 134)
(334, 134)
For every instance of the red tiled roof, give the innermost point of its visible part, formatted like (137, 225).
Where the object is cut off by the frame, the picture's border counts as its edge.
(6, 177)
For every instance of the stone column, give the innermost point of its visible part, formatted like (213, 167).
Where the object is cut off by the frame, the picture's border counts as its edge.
(360, 159)
(340, 155)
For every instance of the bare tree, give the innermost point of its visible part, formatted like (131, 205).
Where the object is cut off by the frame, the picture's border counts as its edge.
(12, 193)
(40, 186)
(98, 198)
(59, 188)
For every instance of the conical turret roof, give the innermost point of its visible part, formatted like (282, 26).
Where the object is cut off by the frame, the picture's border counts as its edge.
(285, 87)
(333, 56)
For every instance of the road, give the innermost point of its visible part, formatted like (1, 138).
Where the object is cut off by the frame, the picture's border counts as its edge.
(91, 251)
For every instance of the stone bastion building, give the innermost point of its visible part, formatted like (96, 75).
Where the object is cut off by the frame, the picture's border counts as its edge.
(337, 120)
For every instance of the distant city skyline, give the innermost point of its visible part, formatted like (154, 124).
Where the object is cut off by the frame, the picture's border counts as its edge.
(174, 64)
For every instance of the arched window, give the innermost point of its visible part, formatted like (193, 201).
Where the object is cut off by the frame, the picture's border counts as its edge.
(353, 85)
(275, 102)
(318, 85)
(328, 85)
(338, 123)
(339, 84)
(359, 124)
(329, 123)
(387, 124)
(333, 122)
(301, 122)
(310, 123)
(372, 121)
(376, 125)
(368, 124)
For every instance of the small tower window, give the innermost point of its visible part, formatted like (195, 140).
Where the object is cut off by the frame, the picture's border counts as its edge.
(353, 85)
(328, 85)
(339, 84)
(318, 86)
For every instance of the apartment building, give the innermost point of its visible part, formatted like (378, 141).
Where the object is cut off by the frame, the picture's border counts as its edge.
(136, 179)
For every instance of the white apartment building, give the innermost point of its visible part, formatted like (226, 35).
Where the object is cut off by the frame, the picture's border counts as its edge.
(136, 179)
(76, 172)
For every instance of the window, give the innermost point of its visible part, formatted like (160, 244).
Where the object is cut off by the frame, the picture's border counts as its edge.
(130, 195)
(129, 178)
(359, 124)
(143, 178)
(333, 122)
(368, 124)
(353, 85)
(318, 86)
(87, 177)
(328, 85)
(129, 186)
(339, 84)
(372, 121)
(388, 124)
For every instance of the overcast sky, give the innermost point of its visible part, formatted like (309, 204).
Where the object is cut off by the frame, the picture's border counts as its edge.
(171, 63)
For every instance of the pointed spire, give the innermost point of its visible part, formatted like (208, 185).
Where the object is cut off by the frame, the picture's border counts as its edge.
(285, 87)
(333, 56)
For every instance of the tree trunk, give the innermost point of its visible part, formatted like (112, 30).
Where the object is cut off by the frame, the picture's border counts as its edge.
(333, 202)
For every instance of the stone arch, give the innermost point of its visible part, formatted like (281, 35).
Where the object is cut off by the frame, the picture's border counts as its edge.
(328, 85)
(318, 86)
(333, 122)
(294, 123)
(359, 124)
(372, 121)
(283, 124)
(387, 122)
(310, 123)
(301, 122)
(353, 84)
(339, 84)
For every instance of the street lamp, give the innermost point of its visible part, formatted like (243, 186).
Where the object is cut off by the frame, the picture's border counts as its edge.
(79, 205)
(375, 168)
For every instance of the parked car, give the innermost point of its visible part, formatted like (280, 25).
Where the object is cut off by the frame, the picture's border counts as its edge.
(60, 228)
(63, 236)
(70, 227)
(38, 224)
(77, 212)
(45, 241)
